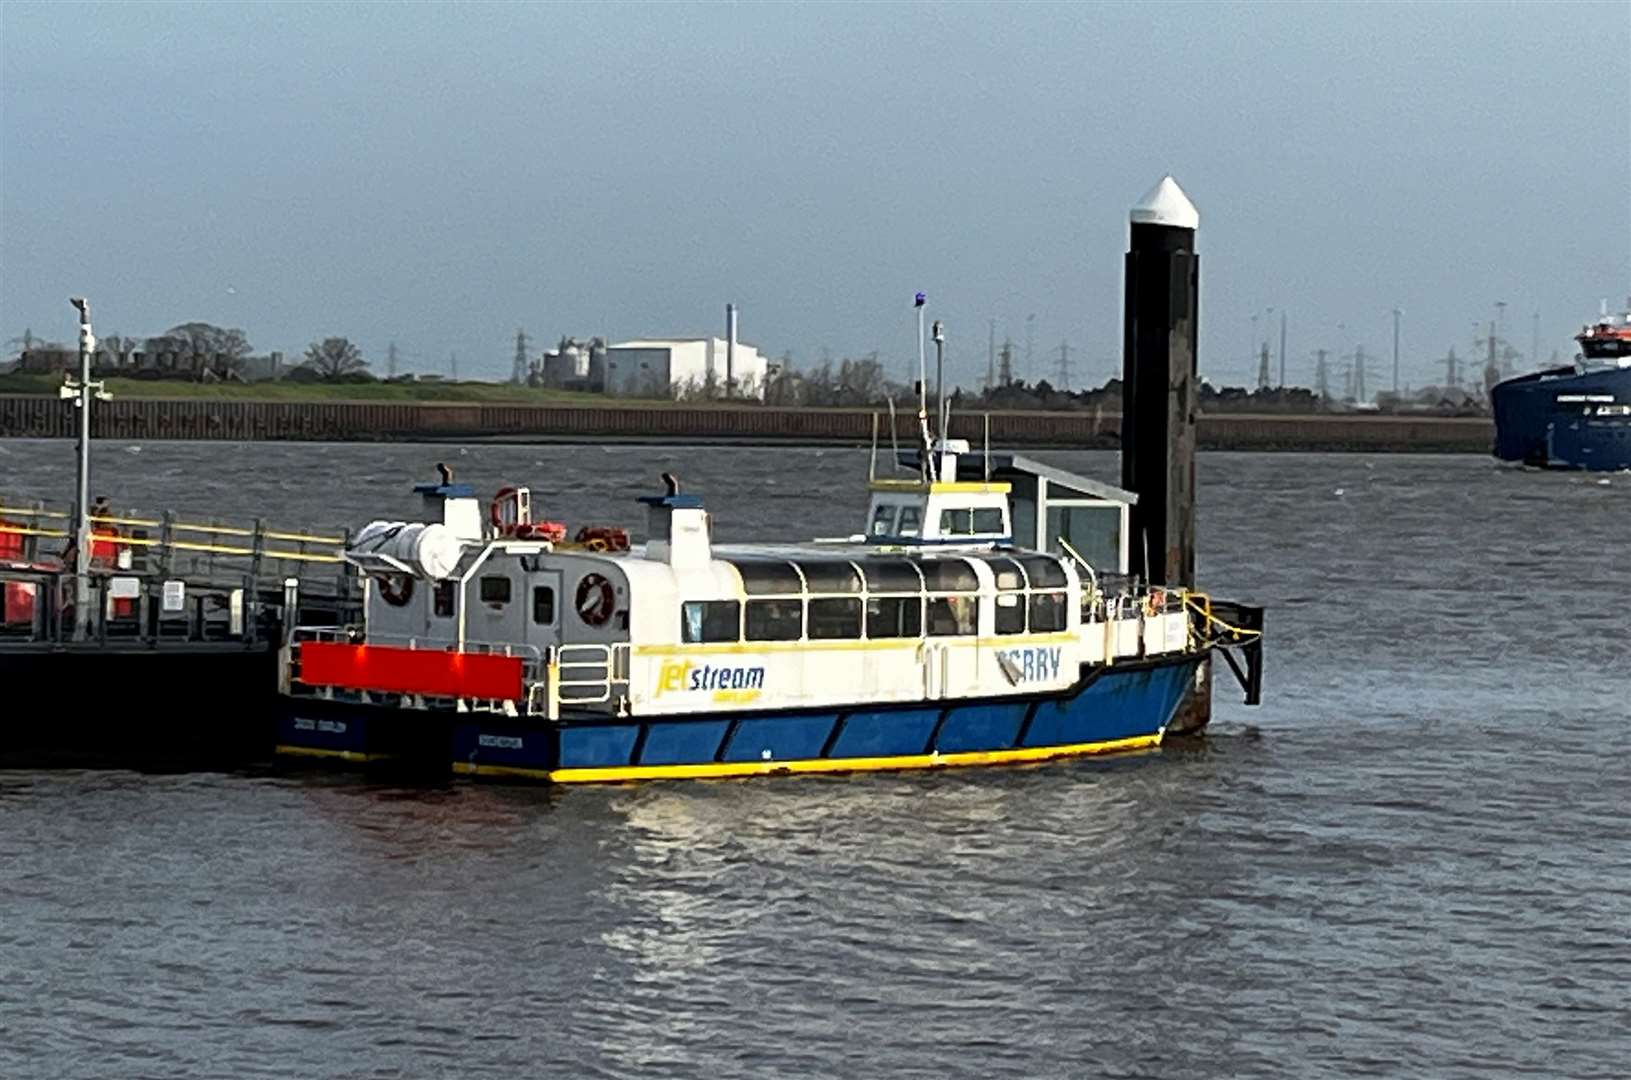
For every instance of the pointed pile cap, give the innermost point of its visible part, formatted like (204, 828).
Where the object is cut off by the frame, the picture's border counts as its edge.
(1166, 204)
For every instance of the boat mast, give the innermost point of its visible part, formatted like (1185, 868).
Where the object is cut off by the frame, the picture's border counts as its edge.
(923, 392)
(942, 421)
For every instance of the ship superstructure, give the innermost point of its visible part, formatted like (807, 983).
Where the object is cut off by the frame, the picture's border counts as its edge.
(1573, 417)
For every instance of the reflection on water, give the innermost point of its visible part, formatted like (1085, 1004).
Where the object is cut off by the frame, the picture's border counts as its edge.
(1410, 861)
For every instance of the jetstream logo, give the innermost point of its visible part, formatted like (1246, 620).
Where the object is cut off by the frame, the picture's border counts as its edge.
(729, 682)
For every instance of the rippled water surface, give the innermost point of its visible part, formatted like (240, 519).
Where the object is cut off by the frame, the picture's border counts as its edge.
(1413, 860)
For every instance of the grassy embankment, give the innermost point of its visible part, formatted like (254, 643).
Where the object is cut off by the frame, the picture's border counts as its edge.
(323, 393)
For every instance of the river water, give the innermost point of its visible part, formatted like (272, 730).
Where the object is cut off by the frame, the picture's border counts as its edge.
(1412, 860)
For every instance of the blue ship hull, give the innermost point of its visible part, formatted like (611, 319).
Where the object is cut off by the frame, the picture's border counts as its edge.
(1126, 707)
(1565, 419)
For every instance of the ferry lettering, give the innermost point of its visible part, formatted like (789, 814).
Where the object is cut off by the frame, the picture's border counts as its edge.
(302, 724)
(709, 677)
(336, 727)
(499, 742)
(1037, 665)
(673, 675)
(679, 676)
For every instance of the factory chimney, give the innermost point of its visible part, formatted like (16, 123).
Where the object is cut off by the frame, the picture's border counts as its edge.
(730, 350)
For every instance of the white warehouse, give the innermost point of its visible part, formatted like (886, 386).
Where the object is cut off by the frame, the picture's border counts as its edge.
(669, 368)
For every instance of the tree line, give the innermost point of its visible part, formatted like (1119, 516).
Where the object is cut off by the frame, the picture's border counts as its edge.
(210, 351)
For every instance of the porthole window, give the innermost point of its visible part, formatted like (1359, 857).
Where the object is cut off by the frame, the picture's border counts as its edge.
(495, 590)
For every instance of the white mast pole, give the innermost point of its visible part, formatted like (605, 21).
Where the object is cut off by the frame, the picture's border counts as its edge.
(923, 392)
(85, 391)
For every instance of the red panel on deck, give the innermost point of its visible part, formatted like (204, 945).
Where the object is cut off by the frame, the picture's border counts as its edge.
(410, 671)
(11, 543)
(19, 605)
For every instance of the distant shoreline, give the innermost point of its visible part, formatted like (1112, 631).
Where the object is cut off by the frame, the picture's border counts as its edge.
(33, 416)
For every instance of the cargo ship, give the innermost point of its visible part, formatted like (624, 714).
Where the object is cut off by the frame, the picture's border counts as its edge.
(940, 634)
(1576, 416)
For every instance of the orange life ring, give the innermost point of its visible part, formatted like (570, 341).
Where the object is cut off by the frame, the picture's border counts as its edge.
(595, 601)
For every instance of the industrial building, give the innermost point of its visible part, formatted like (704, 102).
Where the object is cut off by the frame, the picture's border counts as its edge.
(709, 367)
(682, 367)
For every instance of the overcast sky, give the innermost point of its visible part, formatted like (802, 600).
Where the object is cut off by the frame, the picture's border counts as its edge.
(440, 175)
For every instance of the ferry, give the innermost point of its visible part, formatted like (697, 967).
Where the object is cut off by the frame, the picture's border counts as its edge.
(1573, 417)
(494, 646)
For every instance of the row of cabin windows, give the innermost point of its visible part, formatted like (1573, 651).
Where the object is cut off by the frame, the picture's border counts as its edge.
(882, 617)
(768, 576)
(963, 521)
(495, 590)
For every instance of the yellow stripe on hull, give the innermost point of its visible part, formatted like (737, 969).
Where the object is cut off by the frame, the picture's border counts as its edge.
(322, 752)
(716, 770)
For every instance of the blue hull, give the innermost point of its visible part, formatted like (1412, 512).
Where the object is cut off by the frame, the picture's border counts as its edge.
(1555, 419)
(1120, 709)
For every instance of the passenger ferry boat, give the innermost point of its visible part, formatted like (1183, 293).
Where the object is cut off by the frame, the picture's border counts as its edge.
(1575, 417)
(493, 646)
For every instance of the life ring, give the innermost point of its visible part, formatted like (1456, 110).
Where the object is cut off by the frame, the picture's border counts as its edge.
(595, 600)
(395, 589)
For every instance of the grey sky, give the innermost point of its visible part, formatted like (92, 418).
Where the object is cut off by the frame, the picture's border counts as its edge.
(440, 175)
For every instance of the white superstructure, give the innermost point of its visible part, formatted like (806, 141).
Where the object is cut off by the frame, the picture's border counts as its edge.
(932, 603)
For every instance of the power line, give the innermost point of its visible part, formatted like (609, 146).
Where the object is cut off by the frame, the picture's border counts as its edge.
(991, 359)
(518, 374)
(1064, 365)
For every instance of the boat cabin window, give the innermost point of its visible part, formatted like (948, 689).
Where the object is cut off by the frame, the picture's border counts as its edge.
(969, 521)
(830, 576)
(710, 620)
(775, 620)
(1008, 574)
(495, 590)
(1010, 614)
(1047, 612)
(949, 575)
(835, 618)
(891, 576)
(883, 520)
(543, 605)
(911, 521)
(444, 599)
(953, 616)
(1094, 531)
(1043, 571)
(894, 617)
(762, 577)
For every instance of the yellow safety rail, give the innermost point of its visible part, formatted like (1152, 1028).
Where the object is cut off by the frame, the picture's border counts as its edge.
(181, 545)
(1201, 603)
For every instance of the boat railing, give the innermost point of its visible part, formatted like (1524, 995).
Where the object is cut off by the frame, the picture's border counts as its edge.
(534, 685)
(37, 607)
(587, 673)
(175, 546)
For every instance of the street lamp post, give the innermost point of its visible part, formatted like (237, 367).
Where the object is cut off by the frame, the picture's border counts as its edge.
(83, 391)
